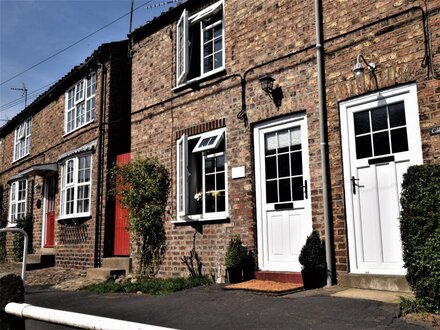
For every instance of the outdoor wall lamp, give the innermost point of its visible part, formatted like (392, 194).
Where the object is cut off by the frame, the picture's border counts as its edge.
(276, 94)
(359, 68)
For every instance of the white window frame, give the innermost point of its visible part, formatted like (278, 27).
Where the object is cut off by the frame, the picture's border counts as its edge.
(22, 139)
(182, 178)
(216, 134)
(14, 202)
(183, 27)
(80, 106)
(74, 184)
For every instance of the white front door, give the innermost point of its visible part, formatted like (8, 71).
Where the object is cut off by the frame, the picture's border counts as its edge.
(282, 192)
(380, 139)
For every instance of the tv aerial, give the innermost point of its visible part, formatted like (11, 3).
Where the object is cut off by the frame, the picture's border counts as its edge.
(24, 91)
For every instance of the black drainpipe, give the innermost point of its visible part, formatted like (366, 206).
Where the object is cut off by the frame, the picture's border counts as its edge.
(98, 214)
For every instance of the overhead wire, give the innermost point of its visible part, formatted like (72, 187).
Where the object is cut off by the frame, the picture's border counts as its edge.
(88, 36)
(17, 101)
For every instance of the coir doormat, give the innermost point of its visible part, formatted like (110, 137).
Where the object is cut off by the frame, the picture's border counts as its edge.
(267, 287)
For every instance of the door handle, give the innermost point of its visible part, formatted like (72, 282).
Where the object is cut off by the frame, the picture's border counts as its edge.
(306, 193)
(353, 184)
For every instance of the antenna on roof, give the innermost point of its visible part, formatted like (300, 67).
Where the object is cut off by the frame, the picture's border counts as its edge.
(131, 16)
(23, 92)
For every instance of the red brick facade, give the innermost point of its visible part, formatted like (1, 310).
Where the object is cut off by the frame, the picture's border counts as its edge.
(275, 38)
(74, 238)
(390, 34)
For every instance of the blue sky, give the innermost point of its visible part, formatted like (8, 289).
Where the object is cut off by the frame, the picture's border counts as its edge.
(33, 30)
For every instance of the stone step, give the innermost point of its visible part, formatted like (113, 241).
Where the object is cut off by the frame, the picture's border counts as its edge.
(118, 262)
(396, 283)
(103, 273)
(282, 277)
(38, 261)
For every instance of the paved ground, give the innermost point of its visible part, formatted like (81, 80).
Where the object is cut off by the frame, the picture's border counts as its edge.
(215, 308)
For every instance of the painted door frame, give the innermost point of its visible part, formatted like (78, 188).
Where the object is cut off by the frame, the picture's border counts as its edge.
(46, 183)
(406, 93)
(299, 119)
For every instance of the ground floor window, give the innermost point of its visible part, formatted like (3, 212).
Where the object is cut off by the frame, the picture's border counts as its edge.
(17, 207)
(202, 176)
(75, 186)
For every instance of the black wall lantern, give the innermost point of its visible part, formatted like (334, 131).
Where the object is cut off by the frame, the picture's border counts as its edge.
(276, 94)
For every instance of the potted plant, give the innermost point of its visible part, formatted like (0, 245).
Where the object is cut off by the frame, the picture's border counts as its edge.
(312, 258)
(235, 258)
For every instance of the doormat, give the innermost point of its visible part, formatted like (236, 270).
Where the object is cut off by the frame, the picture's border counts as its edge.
(266, 287)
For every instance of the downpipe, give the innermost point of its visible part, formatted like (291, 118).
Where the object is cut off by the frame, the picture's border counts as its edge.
(324, 140)
(78, 320)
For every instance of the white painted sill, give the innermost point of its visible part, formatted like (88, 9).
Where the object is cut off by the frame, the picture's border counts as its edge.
(78, 128)
(192, 220)
(199, 78)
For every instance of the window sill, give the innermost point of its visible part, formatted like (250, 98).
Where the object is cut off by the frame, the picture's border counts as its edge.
(11, 225)
(189, 220)
(21, 158)
(193, 83)
(74, 219)
(78, 128)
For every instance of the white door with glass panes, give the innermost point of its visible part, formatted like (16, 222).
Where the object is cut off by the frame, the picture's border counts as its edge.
(282, 192)
(380, 139)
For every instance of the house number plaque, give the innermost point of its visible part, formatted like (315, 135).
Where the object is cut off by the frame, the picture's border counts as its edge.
(434, 130)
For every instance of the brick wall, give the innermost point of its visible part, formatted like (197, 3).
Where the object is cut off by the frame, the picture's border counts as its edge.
(74, 240)
(258, 31)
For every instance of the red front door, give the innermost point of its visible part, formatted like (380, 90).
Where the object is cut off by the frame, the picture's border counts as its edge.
(49, 237)
(122, 237)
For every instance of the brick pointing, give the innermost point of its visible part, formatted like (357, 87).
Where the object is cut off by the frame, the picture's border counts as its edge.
(74, 240)
(256, 32)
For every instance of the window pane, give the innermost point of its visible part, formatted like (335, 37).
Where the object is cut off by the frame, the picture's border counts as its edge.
(218, 44)
(379, 119)
(381, 143)
(361, 122)
(397, 114)
(207, 48)
(399, 140)
(218, 60)
(210, 203)
(271, 167)
(207, 35)
(221, 205)
(283, 141)
(207, 64)
(220, 181)
(285, 192)
(295, 137)
(272, 191)
(209, 182)
(363, 147)
(283, 165)
(209, 165)
(297, 187)
(270, 143)
(296, 163)
(220, 164)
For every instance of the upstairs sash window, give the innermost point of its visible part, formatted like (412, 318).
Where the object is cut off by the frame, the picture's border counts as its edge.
(80, 104)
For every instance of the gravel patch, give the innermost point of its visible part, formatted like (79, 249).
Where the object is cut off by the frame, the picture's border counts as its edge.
(53, 277)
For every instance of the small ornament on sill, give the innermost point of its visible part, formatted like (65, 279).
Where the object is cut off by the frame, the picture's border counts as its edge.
(198, 196)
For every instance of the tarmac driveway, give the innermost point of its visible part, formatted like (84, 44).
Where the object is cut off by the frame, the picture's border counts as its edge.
(215, 308)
